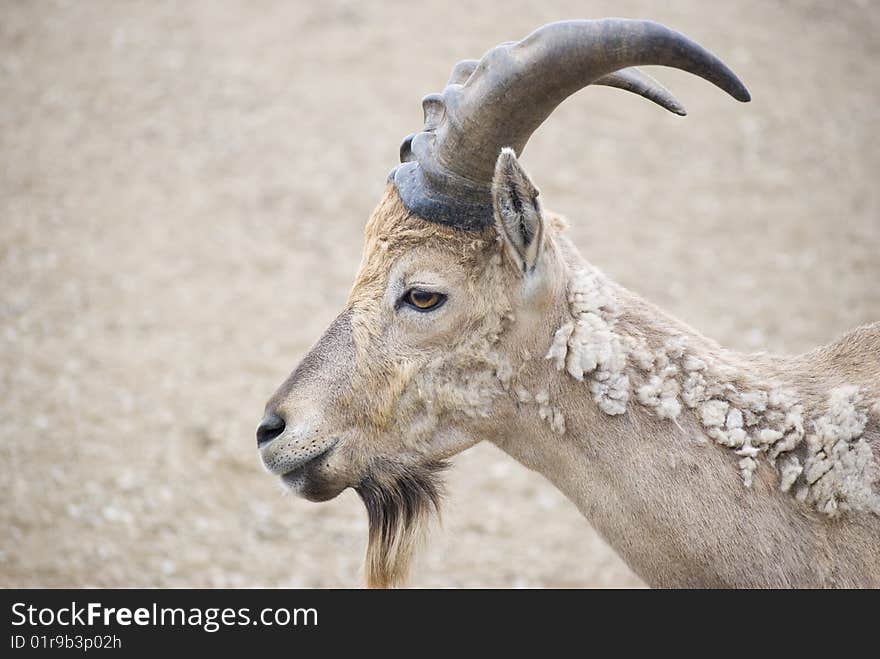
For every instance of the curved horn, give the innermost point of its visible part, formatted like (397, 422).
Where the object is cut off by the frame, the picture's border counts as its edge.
(631, 80)
(503, 99)
(639, 82)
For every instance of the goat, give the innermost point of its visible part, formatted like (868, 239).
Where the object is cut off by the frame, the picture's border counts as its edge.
(474, 318)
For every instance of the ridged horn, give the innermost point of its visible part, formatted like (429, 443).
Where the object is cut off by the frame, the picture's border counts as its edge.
(503, 98)
(639, 82)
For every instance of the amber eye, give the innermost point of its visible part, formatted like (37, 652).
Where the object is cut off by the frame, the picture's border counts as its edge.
(423, 300)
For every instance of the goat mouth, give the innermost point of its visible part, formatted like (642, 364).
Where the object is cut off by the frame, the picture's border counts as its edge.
(303, 481)
(297, 472)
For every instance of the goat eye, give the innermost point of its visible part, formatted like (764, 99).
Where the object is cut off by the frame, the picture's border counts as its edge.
(423, 300)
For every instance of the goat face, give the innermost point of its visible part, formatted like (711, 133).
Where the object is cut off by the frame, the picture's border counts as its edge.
(458, 284)
(413, 369)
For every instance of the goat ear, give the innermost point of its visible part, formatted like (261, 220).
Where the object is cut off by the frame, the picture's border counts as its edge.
(518, 217)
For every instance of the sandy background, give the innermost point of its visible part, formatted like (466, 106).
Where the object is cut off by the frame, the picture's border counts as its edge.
(183, 190)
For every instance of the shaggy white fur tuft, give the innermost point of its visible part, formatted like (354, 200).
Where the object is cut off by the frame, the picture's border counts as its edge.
(831, 467)
(588, 345)
(839, 467)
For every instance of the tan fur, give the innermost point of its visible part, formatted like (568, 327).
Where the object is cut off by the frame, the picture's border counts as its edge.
(682, 478)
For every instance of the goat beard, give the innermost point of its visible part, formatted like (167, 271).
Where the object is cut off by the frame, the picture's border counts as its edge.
(400, 500)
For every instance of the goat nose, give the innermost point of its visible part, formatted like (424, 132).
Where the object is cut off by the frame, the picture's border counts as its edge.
(271, 426)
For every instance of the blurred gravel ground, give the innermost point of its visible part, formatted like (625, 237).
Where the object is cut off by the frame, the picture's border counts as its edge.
(183, 189)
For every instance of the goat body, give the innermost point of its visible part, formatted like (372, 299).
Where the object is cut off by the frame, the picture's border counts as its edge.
(701, 466)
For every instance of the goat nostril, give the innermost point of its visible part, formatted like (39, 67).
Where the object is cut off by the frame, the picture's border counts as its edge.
(271, 426)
